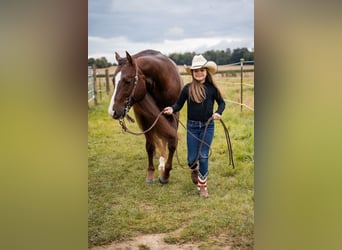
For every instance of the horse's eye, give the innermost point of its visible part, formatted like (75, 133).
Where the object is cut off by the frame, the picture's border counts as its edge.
(127, 81)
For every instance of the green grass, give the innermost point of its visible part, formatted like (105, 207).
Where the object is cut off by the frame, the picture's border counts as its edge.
(122, 205)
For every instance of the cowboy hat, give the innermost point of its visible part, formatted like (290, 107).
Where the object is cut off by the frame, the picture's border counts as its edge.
(200, 62)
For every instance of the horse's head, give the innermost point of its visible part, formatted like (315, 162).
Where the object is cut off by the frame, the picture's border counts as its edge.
(129, 86)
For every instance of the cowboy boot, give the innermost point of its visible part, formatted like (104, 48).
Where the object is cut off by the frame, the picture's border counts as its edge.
(194, 173)
(202, 188)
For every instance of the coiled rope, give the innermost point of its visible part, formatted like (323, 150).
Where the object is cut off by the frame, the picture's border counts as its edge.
(229, 145)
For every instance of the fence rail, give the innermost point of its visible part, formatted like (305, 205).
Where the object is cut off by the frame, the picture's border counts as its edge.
(96, 84)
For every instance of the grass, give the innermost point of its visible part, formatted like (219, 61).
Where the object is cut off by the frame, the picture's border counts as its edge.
(122, 205)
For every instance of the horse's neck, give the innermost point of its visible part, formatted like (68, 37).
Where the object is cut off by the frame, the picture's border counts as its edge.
(149, 102)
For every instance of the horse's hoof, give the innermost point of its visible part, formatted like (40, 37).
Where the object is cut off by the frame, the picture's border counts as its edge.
(150, 181)
(162, 181)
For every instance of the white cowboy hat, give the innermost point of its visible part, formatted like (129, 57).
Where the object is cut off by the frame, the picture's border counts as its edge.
(200, 62)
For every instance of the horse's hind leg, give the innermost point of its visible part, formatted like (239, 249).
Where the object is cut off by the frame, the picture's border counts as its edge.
(150, 148)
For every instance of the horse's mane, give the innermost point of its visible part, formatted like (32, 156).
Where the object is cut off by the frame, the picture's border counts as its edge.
(147, 111)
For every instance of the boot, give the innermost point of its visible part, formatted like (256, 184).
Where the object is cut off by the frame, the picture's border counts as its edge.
(194, 176)
(194, 173)
(202, 188)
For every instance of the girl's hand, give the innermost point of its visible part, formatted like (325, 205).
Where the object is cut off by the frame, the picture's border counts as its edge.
(216, 116)
(168, 110)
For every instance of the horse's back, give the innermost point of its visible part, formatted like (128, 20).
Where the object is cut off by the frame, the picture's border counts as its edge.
(156, 58)
(163, 72)
(147, 52)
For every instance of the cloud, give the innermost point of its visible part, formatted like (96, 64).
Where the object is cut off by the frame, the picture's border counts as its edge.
(168, 46)
(174, 32)
(168, 25)
(152, 6)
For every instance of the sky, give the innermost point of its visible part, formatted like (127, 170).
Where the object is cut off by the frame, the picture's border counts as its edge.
(169, 26)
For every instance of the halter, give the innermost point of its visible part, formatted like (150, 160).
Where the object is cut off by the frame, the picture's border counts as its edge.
(129, 99)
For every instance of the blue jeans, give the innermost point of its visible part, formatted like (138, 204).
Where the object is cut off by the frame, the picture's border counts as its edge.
(195, 134)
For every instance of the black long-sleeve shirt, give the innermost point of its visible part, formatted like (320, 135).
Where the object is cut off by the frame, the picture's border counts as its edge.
(200, 111)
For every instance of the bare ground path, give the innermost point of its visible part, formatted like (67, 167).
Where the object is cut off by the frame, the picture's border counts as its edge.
(150, 242)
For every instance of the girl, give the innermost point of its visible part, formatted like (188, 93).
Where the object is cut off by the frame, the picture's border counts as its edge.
(200, 95)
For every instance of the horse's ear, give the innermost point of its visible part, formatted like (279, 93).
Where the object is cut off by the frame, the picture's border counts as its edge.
(117, 56)
(129, 58)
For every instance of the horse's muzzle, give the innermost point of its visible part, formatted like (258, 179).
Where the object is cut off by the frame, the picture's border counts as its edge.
(115, 115)
(118, 115)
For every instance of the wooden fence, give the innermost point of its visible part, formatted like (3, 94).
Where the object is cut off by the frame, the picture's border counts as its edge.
(91, 85)
(98, 80)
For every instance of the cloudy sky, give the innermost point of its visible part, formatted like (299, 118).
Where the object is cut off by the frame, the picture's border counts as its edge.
(168, 26)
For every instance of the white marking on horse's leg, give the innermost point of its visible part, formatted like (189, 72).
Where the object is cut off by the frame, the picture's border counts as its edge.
(161, 166)
(162, 148)
(110, 107)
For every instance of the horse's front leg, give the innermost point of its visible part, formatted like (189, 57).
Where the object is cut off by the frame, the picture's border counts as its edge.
(164, 176)
(150, 152)
(162, 157)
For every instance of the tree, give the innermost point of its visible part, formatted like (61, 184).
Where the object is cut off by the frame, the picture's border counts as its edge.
(221, 57)
(99, 62)
(228, 55)
(241, 53)
(91, 62)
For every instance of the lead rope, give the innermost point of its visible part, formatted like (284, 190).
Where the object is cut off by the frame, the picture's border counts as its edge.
(229, 144)
(124, 127)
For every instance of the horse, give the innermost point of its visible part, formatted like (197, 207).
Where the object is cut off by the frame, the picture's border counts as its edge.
(148, 82)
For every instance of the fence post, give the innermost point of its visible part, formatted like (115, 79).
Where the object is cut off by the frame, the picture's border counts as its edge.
(241, 88)
(100, 88)
(90, 75)
(95, 91)
(107, 82)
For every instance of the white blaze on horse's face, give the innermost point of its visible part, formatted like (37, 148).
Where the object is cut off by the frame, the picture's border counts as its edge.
(110, 108)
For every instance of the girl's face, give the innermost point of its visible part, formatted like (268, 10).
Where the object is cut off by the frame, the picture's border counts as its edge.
(199, 74)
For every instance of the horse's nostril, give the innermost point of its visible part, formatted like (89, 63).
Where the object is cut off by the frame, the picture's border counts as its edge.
(115, 115)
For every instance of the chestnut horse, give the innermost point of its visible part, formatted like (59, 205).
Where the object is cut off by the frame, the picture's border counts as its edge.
(149, 81)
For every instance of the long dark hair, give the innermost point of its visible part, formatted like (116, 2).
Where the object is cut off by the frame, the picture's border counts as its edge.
(197, 89)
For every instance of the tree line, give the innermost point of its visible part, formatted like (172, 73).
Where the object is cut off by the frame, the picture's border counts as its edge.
(221, 57)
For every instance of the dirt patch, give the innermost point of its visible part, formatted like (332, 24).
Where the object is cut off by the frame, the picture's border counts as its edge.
(149, 242)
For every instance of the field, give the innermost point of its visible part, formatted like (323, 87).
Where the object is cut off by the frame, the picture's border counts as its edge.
(123, 208)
